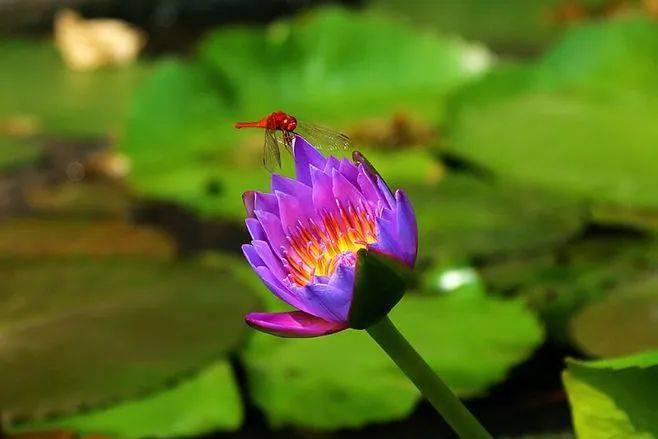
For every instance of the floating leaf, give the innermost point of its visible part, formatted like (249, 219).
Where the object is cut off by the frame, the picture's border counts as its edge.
(83, 332)
(559, 284)
(514, 25)
(614, 398)
(580, 120)
(463, 216)
(67, 103)
(345, 380)
(309, 66)
(198, 405)
(312, 67)
(624, 322)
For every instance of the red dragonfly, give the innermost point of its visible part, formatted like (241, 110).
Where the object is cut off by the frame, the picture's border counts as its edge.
(288, 126)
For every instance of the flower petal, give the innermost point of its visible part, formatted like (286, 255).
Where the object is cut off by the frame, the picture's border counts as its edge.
(255, 229)
(292, 324)
(270, 260)
(407, 229)
(291, 187)
(345, 192)
(323, 197)
(387, 240)
(305, 155)
(386, 193)
(350, 171)
(279, 289)
(272, 227)
(252, 256)
(328, 301)
(266, 202)
(332, 163)
(368, 188)
(292, 210)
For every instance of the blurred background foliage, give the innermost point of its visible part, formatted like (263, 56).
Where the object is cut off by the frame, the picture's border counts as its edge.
(523, 132)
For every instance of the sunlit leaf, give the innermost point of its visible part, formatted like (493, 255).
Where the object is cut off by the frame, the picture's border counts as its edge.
(60, 101)
(614, 398)
(197, 405)
(579, 120)
(180, 137)
(345, 380)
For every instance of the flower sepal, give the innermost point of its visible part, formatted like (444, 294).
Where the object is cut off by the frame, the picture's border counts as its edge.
(379, 284)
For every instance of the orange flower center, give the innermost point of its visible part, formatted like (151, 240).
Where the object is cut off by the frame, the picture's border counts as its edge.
(317, 248)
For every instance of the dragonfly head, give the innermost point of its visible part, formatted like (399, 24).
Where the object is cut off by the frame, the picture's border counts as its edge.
(284, 121)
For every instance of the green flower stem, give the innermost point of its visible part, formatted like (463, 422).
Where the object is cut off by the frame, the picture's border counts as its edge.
(427, 381)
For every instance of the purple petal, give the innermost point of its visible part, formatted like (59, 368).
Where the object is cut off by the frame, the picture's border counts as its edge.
(407, 229)
(345, 191)
(387, 241)
(255, 229)
(332, 163)
(289, 296)
(328, 302)
(305, 156)
(291, 187)
(343, 277)
(291, 211)
(252, 256)
(271, 261)
(350, 171)
(272, 227)
(386, 193)
(323, 197)
(292, 324)
(368, 188)
(266, 202)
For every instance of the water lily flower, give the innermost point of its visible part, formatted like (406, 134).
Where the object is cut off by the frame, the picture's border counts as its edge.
(334, 243)
(337, 245)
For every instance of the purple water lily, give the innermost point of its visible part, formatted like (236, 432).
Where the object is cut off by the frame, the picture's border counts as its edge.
(307, 232)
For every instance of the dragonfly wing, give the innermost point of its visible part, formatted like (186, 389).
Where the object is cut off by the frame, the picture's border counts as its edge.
(271, 154)
(323, 138)
(288, 137)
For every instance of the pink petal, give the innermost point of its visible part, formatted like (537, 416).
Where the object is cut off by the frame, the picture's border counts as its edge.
(296, 324)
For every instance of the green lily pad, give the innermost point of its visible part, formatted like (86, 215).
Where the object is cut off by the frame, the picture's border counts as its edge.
(346, 381)
(624, 322)
(62, 101)
(309, 66)
(614, 398)
(579, 120)
(516, 25)
(80, 332)
(198, 405)
(463, 216)
(559, 284)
